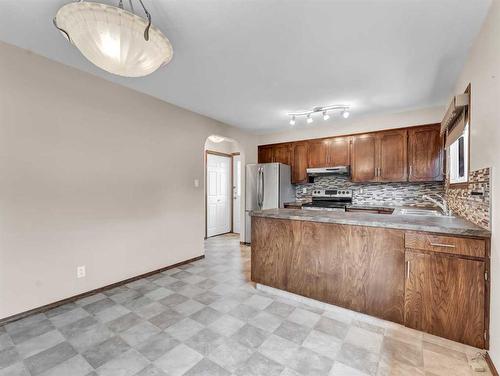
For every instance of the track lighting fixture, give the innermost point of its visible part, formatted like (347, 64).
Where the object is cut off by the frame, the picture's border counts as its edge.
(324, 110)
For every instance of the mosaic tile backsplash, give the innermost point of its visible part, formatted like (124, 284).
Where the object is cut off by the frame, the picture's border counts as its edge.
(387, 194)
(474, 202)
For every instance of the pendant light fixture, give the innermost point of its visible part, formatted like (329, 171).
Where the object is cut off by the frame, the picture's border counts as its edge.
(113, 38)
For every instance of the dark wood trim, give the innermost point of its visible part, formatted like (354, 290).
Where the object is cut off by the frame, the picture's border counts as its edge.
(490, 364)
(465, 185)
(349, 135)
(74, 298)
(458, 186)
(218, 153)
(487, 292)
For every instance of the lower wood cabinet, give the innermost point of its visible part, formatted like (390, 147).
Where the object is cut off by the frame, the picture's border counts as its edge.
(369, 270)
(359, 268)
(445, 296)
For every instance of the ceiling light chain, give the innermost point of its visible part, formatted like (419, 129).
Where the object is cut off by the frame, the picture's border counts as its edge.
(324, 110)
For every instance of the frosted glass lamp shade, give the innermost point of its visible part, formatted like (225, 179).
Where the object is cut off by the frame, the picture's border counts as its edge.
(113, 38)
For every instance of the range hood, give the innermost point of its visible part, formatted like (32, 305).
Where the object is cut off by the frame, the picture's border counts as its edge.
(336, 170)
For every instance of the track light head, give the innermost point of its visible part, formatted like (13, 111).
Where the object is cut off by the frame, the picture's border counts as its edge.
(292, 120)
(345, 113)
(325, 115)
(309, 119)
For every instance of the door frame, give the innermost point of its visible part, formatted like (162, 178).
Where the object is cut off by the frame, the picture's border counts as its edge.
(236, 154)
(230, 156)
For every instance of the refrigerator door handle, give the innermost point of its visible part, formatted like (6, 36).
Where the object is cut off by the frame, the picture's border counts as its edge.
(262, 187)
(259, 182)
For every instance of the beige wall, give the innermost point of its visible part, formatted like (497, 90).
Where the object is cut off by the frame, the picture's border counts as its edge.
(482, 70)
(338, 126)
(93, 174)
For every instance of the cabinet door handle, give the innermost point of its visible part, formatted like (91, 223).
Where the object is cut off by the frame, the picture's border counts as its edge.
(411, 170)
(407, 269)
(443, 245)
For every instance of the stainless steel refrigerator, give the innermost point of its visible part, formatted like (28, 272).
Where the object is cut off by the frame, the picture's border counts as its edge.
(268, 186)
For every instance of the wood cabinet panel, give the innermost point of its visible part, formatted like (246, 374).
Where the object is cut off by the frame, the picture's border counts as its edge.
(393, 156)
(339, 151)
(364, 158)
(265, 154)
(359, 268)
(414, 154)
(270, 259)
(299, 162)
(446, 244)
(426, 154)
(445, 296)
(281, 154)
(318, 153)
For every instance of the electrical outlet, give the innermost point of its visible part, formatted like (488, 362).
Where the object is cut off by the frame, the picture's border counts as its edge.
(80, 271)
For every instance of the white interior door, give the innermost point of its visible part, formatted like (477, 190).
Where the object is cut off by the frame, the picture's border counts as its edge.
(236, 193)
(218, 194)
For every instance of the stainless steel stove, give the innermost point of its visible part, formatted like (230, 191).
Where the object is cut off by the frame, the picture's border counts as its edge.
(329, 199)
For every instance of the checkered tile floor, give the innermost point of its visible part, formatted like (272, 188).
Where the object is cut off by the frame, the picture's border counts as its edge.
(205, 318)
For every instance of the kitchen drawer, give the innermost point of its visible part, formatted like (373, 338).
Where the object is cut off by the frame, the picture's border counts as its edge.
(445, 244)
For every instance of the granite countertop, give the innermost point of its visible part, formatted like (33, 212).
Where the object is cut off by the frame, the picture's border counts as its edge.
(440, 225)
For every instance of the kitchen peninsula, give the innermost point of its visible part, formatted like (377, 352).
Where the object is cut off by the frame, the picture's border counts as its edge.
(427, 273)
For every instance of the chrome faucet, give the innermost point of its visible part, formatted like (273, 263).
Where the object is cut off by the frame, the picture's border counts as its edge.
(442, 204)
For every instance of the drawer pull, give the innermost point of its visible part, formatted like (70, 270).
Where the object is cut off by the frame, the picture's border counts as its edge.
(443, 245)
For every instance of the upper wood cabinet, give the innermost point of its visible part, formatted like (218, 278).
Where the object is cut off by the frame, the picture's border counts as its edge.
(318, 153)
(299, 162)
(379, 157)
(275, 154)
(329, 152)
(392, 156)
(410, 154)
(281, 154)
(265, 154)
(364, 158)
(426, 154)
(339, 151)
(445, 296)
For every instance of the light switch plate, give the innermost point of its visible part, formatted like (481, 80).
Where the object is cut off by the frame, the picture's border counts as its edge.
(196, 183)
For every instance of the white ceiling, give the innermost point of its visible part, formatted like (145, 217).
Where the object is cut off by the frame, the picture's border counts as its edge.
(248, 62)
